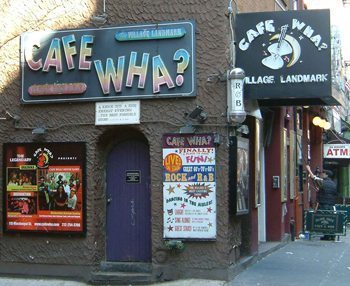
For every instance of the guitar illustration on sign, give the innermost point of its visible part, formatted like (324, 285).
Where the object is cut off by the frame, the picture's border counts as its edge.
(285, 45)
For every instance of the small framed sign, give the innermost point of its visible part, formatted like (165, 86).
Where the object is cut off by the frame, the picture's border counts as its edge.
(133, 176)
(239, 175)
(117, 113)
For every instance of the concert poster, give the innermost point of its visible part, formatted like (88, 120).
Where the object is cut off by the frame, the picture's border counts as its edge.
(189, 187)
(44, 187)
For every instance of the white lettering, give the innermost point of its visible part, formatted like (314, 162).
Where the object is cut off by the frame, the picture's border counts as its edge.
(297, 24)
(268, 27)
(304, 78)
(260, 80)
(251, 34)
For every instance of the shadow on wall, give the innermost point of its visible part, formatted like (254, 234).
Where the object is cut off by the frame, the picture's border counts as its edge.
(53, 15)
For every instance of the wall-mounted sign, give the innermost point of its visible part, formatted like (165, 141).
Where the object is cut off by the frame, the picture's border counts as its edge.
(44, 187)
(286, 56)
(133, 176)
(117, 113)
(117, 63)
(336, 151)
(189, 186)
(239, 175)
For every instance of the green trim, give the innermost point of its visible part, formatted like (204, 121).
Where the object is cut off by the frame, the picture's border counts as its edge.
(150, 34)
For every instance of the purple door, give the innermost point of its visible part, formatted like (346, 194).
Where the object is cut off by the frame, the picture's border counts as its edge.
(128, 203)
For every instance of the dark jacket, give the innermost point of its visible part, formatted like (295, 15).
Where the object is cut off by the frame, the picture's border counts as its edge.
(327, 193)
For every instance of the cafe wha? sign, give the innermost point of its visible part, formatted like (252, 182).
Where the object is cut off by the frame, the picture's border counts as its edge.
(115, 63)
(286, 56)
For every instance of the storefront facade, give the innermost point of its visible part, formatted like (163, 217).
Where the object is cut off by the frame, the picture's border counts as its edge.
(68, 84)
(134, 112)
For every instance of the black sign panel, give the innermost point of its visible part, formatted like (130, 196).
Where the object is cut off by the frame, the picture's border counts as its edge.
(133, 176)
(346, 209)
(325, 222)
(286, 56)
(115, 63)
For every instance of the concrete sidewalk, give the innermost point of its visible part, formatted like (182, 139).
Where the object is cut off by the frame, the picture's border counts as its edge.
(8, 281)
(264, 250)
(301, 263)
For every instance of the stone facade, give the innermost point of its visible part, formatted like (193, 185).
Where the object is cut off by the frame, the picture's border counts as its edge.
(72, 122)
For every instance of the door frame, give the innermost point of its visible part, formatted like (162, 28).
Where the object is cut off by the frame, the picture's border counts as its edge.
(109, 142)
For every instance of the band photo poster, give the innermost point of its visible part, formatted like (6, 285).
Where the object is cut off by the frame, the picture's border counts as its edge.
(44, 187)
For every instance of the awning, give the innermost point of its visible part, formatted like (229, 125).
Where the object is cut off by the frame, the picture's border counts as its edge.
(333, 137)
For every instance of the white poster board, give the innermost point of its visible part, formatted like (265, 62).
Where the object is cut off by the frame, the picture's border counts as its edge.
(117, 113)
(189, 186)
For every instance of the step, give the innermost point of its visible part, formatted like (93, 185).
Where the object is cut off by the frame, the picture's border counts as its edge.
(134, 267)
(120, 278)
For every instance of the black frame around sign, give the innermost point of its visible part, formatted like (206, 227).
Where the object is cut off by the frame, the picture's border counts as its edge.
(59, 158)
(305, 75)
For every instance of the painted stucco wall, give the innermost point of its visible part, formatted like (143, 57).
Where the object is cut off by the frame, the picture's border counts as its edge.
(75, 122)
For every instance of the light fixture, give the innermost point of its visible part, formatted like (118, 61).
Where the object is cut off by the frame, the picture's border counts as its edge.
(216, 139)
(235, 107)
(322, 123)
(188, 128)
(316, 120)
(244, 129)
(100, 20)
(38, 131)
(327, 126)
(198, 114)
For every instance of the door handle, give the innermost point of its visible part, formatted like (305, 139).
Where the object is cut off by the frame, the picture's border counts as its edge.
(109, 199)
